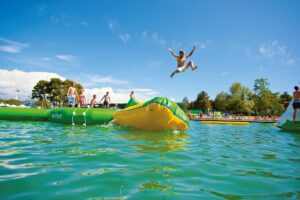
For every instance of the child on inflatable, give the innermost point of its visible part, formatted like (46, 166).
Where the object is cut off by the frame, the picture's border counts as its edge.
(93, 101)
(296, 103)
(82, 100)
(132, 96)
(106, 99)
(72, 94)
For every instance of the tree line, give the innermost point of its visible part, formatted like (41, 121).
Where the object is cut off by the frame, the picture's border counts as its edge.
(53, 92)
(11, 101)
(241, 100)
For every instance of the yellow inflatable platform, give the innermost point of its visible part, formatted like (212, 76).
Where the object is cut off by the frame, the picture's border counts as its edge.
(156, 114)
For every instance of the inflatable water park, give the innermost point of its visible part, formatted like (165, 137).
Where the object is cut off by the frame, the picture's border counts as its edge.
(156, 114)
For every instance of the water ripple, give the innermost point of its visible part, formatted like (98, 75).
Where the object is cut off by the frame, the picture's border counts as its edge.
(41, 160)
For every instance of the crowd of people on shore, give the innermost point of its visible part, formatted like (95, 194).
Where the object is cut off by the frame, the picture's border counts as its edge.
(76, 99)
(226, 116)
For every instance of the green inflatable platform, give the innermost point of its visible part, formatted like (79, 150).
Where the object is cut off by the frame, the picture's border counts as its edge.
(169, 118)
(82, 116)
(23, 114)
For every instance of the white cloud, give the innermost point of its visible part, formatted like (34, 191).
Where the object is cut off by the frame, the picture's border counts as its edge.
(153, 37)
(68, 58)
(46, 59)
(120, 95)
(54, 19)
(124, 37)
(9, 49)
(12, 80)
(273, 51)
(115, 29)
(84, 23)
(146, 91)
(157, 39)
(95, 79)
(112, 25)
(61, 18)
(203, 44)
(68, 24)
(10, 46)
(224, 73)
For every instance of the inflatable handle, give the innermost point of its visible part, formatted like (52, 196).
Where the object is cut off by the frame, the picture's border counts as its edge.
(74, 113)
(84, 124)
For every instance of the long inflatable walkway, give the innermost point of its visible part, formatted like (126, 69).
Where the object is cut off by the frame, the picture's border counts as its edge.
(157, 114)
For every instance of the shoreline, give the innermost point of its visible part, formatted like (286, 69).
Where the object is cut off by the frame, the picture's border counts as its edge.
(236, 120)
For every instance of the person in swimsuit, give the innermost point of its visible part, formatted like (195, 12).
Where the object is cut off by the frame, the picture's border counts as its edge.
(181, 67)
(106, 99)
(82, 100)
(72, 94)
(132, 96)
(296, 102)
(93, 101)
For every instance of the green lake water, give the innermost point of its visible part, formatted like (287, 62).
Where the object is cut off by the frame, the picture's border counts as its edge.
(40, 160)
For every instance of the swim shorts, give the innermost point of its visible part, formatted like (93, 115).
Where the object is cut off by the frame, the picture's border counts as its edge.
(296, 104)
(182, 69)
(71, 99)
(105, 104)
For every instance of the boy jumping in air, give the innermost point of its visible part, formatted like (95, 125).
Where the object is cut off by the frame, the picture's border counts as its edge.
(181, 67)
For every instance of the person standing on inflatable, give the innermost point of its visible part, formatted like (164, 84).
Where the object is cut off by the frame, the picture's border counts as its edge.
(296, 103)
(181, 67)
(132, 95)
(81, 98)
(72, 94)
(106, 99)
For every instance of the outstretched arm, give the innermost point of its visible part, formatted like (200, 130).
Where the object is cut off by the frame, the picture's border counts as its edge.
(191, 53)
(172, 52)
(102, 98)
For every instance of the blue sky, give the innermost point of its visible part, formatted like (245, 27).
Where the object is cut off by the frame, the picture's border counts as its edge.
(122, 45)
